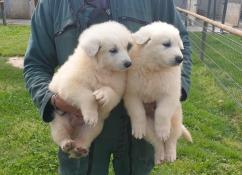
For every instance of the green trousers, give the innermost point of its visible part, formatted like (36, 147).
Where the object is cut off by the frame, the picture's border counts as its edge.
(130, 156)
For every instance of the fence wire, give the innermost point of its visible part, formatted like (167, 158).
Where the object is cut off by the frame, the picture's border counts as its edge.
(222, 58)
(221, 37)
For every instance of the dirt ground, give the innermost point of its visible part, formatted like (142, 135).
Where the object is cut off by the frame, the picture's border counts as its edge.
(16, 62)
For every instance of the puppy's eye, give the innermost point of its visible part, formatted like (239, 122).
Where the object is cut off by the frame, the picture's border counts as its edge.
(167, 44)
(129, 46)
(113, 50)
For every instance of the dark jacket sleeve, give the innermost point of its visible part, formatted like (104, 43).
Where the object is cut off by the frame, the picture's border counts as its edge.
(40, 59)
(169, 14)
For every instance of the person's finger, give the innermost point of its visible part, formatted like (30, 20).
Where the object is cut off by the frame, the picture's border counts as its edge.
(65, 107)
(78, 114)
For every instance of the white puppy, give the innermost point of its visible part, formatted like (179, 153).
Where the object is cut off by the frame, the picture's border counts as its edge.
(156, 77)
(93, 80)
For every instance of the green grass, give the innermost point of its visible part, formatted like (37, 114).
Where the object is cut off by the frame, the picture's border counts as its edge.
(13, 40)
(26, 147)
(212, 117)
(223, 58)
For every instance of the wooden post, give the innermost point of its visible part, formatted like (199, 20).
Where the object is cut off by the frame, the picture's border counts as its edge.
(3, 12)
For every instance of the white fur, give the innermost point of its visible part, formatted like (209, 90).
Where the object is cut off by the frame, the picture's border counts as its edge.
(93, 80)
(156, 77)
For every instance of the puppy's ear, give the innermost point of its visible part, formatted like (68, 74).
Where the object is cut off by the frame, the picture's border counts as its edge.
(181, 44)
(141, 37)
(91, 46)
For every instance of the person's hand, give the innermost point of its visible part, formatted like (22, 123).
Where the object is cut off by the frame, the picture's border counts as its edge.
(63, 106)
(150, 109)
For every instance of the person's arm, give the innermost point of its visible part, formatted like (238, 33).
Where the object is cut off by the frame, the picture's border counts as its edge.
(169, 14)
(40, 59)
(40, 63)
(187, 63)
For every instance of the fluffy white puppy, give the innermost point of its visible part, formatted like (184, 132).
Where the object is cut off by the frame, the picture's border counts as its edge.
(155, 76)
(93, 80)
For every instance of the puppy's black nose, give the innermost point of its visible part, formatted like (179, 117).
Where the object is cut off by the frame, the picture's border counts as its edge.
(127, 64)
(178, 59)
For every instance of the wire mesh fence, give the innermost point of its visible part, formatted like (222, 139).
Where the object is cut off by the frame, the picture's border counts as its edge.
(220, 53)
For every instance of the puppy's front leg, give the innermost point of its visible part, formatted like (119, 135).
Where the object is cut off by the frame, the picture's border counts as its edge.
(89, 107)
(158, 145)
(81, 97)
(170, 149)
(137, 115)
(107, 99)
(163, 114)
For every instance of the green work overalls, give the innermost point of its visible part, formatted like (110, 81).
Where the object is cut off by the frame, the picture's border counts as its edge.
(56, 25)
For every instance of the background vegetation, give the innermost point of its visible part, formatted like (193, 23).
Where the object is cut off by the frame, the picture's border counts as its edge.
(26, 147)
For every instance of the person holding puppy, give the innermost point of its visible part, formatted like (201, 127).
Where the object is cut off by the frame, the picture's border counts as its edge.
(56, 26)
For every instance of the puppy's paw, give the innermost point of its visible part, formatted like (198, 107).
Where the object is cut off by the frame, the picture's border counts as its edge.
(159, 153)
(159, 158)
(80, 152)
(90, 118)
(67, 145)
(101, 96)
(170, 156)
(139, 130)
(163, 131)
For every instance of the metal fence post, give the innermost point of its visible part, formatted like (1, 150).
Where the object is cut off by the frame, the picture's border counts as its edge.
(204, 32)
(3, 12)
(224, 13)
(204, 36)
(35, 2)
(240, 14)
(186, 16)
(214, 12)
